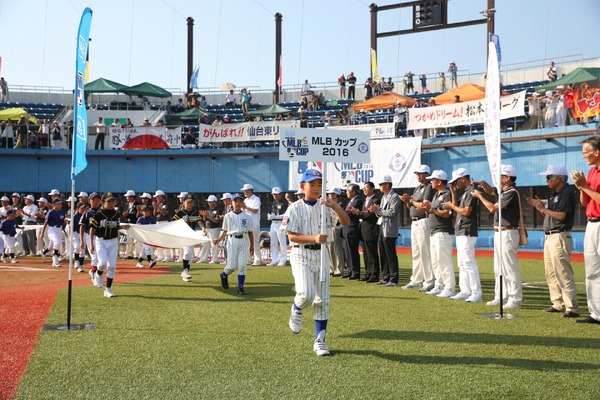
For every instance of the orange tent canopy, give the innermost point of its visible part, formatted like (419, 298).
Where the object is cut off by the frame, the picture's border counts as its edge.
(466, 92)
(385, 100)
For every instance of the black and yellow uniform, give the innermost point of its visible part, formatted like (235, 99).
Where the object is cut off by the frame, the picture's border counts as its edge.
(106, 224)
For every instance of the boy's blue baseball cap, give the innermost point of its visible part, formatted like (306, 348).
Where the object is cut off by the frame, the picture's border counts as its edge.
(311, 175)
(237, 196)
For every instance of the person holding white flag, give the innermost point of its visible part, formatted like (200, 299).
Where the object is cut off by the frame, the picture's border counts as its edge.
(507, 232)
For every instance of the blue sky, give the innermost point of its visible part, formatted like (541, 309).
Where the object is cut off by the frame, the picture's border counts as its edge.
(145, 40)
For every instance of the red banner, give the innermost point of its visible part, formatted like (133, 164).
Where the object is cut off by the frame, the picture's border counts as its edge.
(586, 100)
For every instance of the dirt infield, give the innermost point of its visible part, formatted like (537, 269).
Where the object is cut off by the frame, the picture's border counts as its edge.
(28, 291)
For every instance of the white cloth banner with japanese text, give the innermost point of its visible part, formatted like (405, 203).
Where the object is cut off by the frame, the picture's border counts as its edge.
(466, 113)
(151, 137)
(247, 131)
(395, 157)
(377, 131)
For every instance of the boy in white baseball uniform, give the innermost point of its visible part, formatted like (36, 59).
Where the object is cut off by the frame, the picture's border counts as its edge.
(55, 222)
(147, 250)
(302, 222)
(236, 225)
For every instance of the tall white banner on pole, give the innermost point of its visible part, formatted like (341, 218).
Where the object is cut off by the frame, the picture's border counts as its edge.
(492, 116)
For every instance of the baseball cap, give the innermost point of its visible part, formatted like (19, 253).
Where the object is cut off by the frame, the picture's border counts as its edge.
(561, 87)
(212, 197)
(130, 193)
(226, 196)
(182, 195)
(71, 199)
(385, 179)
(107, 196)
(310, 175)
(508, 170)
(83, 194)
(423, 169)
(237, 196)
(299, 191)
(54, 192)
(56, 201)
(30, 197)
(336, 190)
(16, 195)
(145, 196)
(555, 170)
(159, 193)
(459, 173)
(276, 190)
(247, 186)
(42, 200)
(4, 198)
(438, 174)
(94, 194)
(81, 204)
(10, 212)
(189, 197)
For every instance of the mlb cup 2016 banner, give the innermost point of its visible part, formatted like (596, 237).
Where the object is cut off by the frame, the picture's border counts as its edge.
(586, 99)
(466, 113)
(395, 157)
(244, 132)
(145, 138)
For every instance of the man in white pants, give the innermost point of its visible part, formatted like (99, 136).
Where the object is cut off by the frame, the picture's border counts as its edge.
(252, 207)
(163, 213)
(278, 239)
(213, 220)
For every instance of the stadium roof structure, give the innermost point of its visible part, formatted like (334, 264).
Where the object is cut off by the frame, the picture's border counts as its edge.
(147, 89)
(578, 75)
(270, 110)
(383, 101)
(466, 92)
(102, 85)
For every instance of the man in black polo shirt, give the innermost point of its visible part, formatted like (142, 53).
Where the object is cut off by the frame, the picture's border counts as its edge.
(558, 222)
(467, 210)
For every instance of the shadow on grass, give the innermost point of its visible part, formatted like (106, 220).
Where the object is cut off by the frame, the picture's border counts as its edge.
(519, 363)
(481, 338)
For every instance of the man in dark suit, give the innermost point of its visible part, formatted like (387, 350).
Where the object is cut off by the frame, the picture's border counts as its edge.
(351, 232)
(369, 232)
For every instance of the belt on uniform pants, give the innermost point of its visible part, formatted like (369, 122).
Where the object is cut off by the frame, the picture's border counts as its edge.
(505, 228)
(309, 246)
(238, 236)
(56, 226)
(552, 231)
(418, 218)
(593, 219)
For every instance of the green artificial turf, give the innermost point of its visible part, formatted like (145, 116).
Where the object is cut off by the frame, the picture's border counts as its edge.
(162, 338)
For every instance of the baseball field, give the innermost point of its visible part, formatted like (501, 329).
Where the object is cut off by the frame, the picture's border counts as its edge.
(162, 338)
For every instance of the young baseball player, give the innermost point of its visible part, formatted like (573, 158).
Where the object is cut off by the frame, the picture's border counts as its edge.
(302, 222)
(84, 232)
(104, 241)
(147, 250)
(8, 229)
(191, 216)
(55, 222)
(237, 225)
(78, 249)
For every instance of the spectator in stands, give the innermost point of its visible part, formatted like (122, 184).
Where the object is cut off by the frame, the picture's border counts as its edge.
(226, 119)
(342, 84)
(550, 115)
(410, 87)
(7, 138)
(322, 101)
(457, 99)
(303, 103)
(34, 142)
(217, 121)
(259, 118)
(552, 73)
(128, 123)
(69, 134)
(368, 89)
(204, 119)
(3, 90)
(146, 122)
(314, 104)
(179, 107)
(44, 134)
(22, 132)
(289, 116)
(230, 100)
(100, 134)
(423, 79)
(327, 120)
(344, 116)
(390, 85)
(306, 88)
(144, 102)
(399, 119)
(453, 69)
(534, 111)
(55, 136)
(189, 140)
(351, 85)
(561, 111)
(442, 82)
(203, 103)
(160, 122)
(404, 86)
(245, 100)
(459, 128)
(569, 95)
(279, 117)
(303, 120)
(362, 117)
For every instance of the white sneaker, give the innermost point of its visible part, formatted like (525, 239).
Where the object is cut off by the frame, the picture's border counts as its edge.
(296, 320)
(203, 261)
(109, 293)
(512, 305)
(3, 260)
(14, 261)
(460, 296)
(446, 293)
(474, 298)
(281, 265)
(320, 348)
(212, 262)
(257, 263)
(495, 302)
(272, 263)
(186, 276)
(435, 291)
(98, 281)
(80, 269)
(410, 286)
(139, 265)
